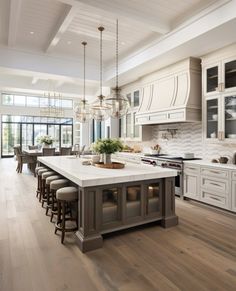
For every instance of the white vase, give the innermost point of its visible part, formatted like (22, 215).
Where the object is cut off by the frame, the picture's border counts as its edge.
(107, 158)
(45, 145)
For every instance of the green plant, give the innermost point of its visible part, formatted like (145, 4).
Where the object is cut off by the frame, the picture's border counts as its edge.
(107, 146)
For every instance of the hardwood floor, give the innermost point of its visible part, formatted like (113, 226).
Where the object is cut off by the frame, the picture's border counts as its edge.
(198, 254)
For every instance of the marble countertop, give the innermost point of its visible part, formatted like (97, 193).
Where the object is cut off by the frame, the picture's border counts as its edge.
(86, 176)
(210, 164)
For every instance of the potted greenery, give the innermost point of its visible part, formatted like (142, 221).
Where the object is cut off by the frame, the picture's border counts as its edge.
(45, 140)
(106, 147)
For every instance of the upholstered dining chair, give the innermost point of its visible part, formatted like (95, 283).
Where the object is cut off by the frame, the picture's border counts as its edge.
(65, 151)
(22, 159)
(49, 151)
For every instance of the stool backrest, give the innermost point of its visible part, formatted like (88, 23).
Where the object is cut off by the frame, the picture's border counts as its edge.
(49, 151)
(65, 151)
(31, 147)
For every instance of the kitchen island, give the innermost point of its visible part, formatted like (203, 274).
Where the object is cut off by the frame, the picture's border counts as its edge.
(115, 199)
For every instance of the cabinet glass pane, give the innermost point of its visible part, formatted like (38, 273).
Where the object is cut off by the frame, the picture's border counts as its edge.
(212, 118)
(136, 98)
(122, 127)
(230, 74)
(110, 205)
(212, 79)
(230, 117)
(136, 128)
(153, 198)
(133, 201)
(128, 125)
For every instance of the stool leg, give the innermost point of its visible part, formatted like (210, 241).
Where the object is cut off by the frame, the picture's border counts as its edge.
(48, 198)
(58, 214)
(63, 221)
(53, 205)
(43, 192)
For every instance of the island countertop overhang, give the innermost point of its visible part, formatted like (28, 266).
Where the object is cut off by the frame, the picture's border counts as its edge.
(89, 176)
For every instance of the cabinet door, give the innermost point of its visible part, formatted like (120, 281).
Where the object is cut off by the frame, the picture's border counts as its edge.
(233, 206)
(134, 203)
(191, 183)
(211, 79)
(229, 74)
(229, 117)
(212, 118)
(153, 200)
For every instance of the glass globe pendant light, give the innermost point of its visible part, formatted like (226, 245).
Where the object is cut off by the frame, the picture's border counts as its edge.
(119, 103)
(82, 110)
(100, 110)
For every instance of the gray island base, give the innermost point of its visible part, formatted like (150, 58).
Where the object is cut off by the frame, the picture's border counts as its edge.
(111, 200)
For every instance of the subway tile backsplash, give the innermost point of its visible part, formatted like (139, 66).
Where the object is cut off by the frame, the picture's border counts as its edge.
(188, 139)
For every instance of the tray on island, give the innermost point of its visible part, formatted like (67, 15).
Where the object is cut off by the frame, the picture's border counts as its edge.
(113, 165)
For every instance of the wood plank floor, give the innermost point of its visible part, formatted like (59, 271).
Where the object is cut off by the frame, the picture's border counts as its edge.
(198, 254)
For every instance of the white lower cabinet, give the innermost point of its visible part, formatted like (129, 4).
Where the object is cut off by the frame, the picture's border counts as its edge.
(212, 185)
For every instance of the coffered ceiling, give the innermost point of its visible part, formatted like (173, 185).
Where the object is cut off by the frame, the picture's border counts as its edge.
(46, 35)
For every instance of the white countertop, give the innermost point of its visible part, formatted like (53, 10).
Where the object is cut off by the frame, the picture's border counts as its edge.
(86, 176)
(210, 164)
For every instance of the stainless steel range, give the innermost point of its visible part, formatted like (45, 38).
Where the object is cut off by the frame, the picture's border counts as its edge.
(172, 162)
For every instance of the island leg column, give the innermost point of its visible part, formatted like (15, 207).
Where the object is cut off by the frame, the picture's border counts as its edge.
(88, 235)
(168, 203)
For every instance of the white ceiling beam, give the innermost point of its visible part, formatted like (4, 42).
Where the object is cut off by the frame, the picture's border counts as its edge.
(34, 80)
(62, 25)
(122, 10)
(15, 8)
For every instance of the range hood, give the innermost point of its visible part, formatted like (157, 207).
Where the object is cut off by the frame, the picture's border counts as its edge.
(172, 94)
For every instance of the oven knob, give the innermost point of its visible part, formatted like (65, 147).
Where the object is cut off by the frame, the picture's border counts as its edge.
(154, 163)
(163, 165)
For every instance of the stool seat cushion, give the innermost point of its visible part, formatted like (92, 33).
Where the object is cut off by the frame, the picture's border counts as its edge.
(57, 184)
(67, 193)
(40, 172)
(39, 168)
(52, 178)
(47, 174)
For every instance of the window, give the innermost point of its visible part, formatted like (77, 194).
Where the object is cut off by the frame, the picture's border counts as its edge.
(34, 101)
(25, 130)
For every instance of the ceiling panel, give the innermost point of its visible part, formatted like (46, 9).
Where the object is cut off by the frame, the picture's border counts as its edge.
(41, 18)
(4, 20)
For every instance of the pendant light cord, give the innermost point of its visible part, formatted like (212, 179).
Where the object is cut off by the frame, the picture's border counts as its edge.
(117, 60)
(84, 43)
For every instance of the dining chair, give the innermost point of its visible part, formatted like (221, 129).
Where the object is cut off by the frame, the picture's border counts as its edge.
(65, 151)
(32, 147)
(22, 159)
(49, 151)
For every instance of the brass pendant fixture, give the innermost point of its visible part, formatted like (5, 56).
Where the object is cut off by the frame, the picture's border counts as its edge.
(82, 110)
(119, 104)
(100, 110)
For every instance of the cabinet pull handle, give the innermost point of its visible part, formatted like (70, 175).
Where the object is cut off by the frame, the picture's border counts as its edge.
(214, 172)
(214, 198)
(215, 184)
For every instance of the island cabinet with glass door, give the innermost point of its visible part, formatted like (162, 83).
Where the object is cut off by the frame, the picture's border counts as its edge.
(219, 96)
(128, 129)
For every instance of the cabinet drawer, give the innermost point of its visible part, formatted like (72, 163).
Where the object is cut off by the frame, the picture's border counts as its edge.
(219, 173)
(214, 199)
(192, 169)
(233, 175)
(215, 185)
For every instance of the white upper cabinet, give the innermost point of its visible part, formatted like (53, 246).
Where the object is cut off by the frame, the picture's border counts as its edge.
(219, 96)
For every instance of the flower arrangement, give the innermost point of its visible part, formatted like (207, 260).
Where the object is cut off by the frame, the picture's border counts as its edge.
(107, 146)
(45, 139)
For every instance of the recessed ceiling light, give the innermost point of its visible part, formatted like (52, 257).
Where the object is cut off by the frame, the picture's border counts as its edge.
(69, 42)
(32, 32)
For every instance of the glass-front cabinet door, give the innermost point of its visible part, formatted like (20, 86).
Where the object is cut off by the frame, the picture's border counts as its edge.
(230, 116)
(212, 118)
(229, 70)
(153, 199)
(111, 206)
(212, 79)
(133, 202)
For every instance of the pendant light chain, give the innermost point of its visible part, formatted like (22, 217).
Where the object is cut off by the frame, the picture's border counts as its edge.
(101, 30)
(84, 43)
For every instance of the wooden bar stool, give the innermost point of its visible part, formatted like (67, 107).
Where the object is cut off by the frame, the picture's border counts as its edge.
(49, 180)
(39, 187)
(36, 174)
(54, 186)
(65, 196)
(45, 175)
